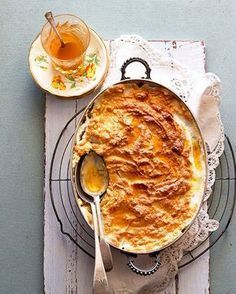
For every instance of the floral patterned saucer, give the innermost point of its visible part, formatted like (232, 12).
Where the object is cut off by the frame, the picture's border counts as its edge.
(90, 76)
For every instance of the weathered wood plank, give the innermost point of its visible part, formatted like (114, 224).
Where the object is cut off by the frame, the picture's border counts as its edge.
(66, 268)
(56, 254)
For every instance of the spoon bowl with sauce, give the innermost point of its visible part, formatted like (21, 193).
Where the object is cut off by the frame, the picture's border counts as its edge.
(93, 176)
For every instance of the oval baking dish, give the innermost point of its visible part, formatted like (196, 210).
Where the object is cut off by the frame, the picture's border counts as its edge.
(156, 159)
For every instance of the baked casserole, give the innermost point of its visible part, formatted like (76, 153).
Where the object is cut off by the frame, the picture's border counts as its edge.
(156, 163)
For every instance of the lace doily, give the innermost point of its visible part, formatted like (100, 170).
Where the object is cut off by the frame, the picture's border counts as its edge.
(201, 92)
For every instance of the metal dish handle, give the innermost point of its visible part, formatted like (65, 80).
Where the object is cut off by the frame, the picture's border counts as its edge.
(131, 60)
(143, 272)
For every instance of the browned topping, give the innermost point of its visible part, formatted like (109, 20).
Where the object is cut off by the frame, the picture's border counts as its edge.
(147, 155)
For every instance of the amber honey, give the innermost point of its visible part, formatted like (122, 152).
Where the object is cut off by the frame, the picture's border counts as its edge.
(75, 35)
(73, 48)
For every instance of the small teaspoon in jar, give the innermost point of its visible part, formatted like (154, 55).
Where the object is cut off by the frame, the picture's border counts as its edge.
(48, 15)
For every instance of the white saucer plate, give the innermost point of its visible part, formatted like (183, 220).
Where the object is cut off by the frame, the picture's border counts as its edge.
(91, 76)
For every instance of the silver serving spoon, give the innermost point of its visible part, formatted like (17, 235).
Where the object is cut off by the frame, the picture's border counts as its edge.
(48, 15)
(91, 177)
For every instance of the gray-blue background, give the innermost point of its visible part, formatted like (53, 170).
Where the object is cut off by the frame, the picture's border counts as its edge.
(22, 114)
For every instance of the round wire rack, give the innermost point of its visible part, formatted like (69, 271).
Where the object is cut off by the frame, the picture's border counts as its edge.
(72, 224)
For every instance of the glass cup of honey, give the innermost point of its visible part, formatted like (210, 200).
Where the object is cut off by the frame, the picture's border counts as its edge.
(76, 37)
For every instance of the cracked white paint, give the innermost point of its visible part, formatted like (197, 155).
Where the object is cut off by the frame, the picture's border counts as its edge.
(67, 270)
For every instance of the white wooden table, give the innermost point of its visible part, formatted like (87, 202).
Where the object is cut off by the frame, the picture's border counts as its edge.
(66, 268)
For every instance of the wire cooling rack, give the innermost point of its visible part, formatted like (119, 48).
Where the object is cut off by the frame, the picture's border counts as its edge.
(220, 205)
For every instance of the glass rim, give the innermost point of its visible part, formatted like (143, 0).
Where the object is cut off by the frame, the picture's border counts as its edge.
(65, 14)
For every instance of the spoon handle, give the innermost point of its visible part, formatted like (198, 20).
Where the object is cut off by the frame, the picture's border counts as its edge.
(100, 282)
(105, 248)
(48, 15)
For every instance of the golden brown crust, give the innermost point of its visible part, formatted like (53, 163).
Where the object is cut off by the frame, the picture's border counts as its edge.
(142, 135)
